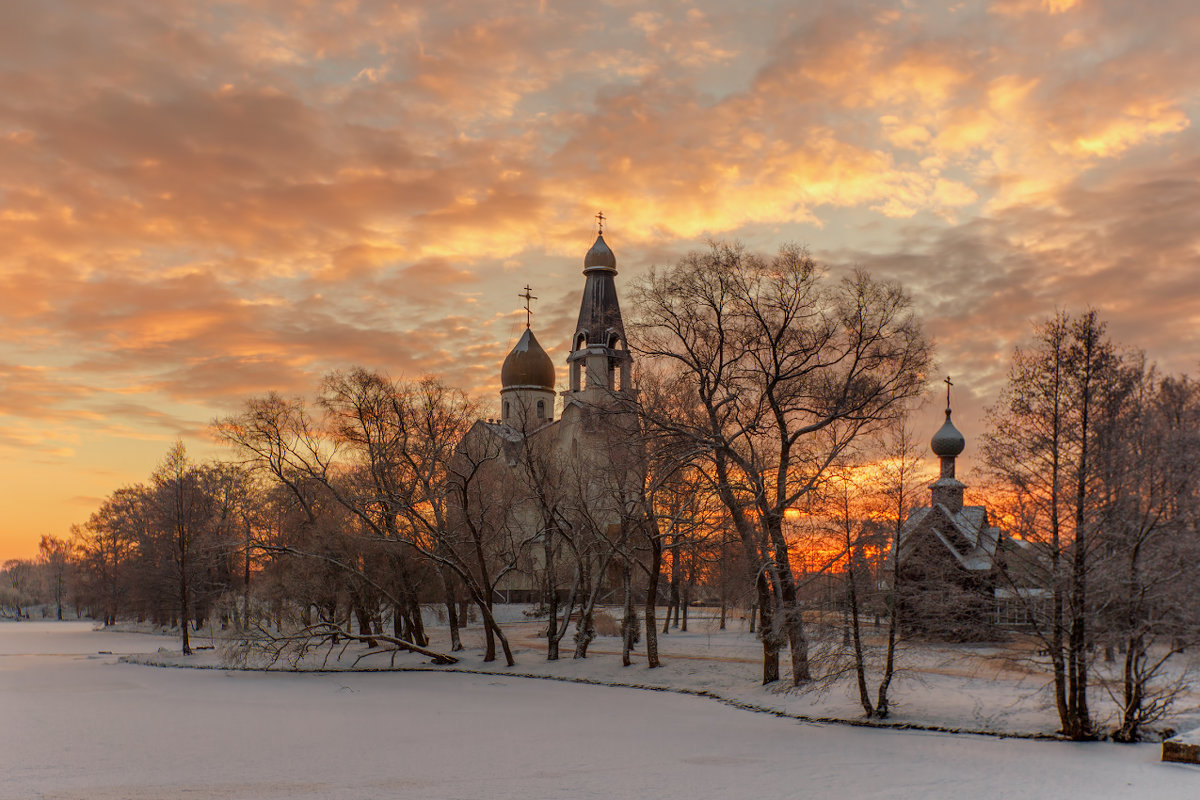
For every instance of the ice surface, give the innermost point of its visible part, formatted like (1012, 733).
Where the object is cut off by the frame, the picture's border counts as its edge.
(79, 725)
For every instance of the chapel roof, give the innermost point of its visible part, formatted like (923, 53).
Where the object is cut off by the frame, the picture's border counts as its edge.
(947, 441)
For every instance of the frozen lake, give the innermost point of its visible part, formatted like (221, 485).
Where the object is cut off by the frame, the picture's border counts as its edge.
(77, 724)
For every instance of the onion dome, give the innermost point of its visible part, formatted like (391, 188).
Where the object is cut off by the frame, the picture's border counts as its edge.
(527, 365)
(947, 442)
(600, 256)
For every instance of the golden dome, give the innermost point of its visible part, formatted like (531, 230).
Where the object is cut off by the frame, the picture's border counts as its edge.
(527, 365)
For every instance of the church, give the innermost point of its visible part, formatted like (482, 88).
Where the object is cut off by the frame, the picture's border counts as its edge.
(947, 555)
(578, 473)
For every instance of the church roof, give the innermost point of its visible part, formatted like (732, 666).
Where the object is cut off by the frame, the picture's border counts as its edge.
(947, 441)
(527, 365)
(600, 256)
(599, 311)
(965, 533)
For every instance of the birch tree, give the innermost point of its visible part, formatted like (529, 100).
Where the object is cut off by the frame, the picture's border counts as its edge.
(1041, 444)
(1148, 439)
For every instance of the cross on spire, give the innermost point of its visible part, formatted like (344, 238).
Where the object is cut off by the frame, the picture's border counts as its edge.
(948, 385)
(528, 311)
(600, 221)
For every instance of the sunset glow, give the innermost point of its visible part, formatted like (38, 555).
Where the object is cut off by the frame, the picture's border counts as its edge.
(203, 202)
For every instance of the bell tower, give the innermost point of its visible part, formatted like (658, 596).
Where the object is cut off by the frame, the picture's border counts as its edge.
(600, 364)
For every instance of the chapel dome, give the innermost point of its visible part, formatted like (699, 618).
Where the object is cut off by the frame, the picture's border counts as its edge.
(600, 256)
(947, 441)
(527, 365)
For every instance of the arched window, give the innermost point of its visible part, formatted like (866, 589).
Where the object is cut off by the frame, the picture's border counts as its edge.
(541, 409)
(581, 340)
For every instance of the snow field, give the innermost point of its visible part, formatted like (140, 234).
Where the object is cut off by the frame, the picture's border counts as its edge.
(80, 725)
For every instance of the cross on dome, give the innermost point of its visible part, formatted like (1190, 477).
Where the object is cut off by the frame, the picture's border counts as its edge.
(528, 311)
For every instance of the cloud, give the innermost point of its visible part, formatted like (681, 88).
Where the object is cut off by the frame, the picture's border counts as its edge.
(201, 202)
(1129, 247)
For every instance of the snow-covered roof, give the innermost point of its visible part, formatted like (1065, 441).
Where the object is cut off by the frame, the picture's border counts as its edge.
(506, 432)
(967, 536)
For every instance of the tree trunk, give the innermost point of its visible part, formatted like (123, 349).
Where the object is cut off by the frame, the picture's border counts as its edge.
(493, 628)
(673, 596)
(551, 600)
(882, 701)
(790, 611)
(767, 632)
(489, 636)
(651, 626)
(585, 628)
(183, 594)
(860, 668)
(628, 616)
(685, 602)
(451, 609)
(364, 622)
(246, 584)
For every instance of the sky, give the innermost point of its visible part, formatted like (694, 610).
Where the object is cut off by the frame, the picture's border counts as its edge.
(201, 202)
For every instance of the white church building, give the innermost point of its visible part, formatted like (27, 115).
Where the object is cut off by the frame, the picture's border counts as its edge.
(578, 470)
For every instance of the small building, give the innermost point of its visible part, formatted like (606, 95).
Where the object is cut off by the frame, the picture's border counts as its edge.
(947, 558)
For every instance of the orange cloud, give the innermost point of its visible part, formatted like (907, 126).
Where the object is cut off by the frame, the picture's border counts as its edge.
(199, 202)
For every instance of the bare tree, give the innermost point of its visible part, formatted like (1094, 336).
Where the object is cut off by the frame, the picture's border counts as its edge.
(787, 370)
(188, 506)
(56, 557)
(107, 544)
(860, 509)
(355, 470)
(900, 470)
(1041, 445)
(20, 589)
(1148, 437)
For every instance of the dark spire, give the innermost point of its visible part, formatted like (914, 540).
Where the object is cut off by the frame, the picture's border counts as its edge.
(599, 355)
(599, 313)
(946, 444)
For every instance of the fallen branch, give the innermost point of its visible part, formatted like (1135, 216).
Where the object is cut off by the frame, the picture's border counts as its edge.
(331, 630)
(294, 645)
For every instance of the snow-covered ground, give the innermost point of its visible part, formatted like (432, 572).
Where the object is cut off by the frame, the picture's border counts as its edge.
(79, 724)
(997, 688)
